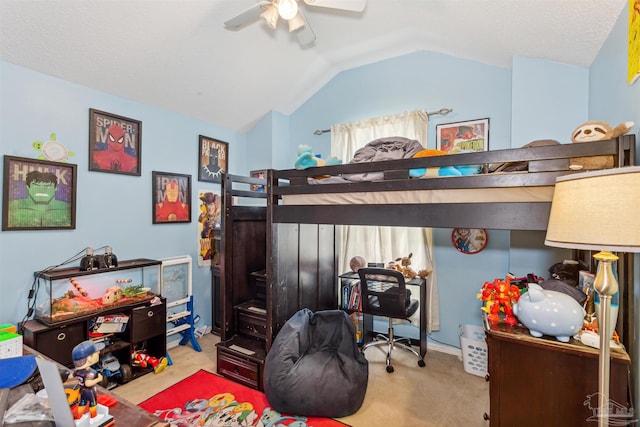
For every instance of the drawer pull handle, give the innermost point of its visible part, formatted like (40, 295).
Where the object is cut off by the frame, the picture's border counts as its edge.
(487, 378)
(61, 336)
(150, 313)
(486, 417)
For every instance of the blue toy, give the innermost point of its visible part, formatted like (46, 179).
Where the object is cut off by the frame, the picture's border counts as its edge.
(306, 159)
(461, 170)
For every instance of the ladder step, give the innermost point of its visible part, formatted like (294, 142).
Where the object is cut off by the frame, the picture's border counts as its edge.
(173, 316)
(178, 329)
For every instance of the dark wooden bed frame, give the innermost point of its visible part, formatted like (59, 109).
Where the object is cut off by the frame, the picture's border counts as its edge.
(300, 257)
(545, 165)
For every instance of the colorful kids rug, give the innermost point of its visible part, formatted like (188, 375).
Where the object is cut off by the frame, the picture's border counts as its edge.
(206, 399)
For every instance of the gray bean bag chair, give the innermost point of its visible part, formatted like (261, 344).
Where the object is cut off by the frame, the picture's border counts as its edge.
(314, 367)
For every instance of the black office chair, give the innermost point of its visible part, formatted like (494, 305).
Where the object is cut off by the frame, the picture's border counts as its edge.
(384, 293)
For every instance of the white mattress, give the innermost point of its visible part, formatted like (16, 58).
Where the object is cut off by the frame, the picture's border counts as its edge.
(476, 195)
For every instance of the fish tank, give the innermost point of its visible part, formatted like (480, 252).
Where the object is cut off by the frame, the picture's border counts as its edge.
(69, 293)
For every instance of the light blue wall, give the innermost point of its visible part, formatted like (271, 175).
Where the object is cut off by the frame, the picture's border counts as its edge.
(112, 209)
(549, 100)
(420, 80)
(268, 143)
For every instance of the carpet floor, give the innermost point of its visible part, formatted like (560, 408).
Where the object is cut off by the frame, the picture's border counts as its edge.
(441, 394)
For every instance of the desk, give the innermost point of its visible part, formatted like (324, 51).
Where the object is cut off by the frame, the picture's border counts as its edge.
(124, 412)
(347, 279)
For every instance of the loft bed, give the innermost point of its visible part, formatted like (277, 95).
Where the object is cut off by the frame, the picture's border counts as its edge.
(302, 216)
(503, 200)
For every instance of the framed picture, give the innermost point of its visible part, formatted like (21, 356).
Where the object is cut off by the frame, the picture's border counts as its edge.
(115, 143)
(261, 174)
(213, 159)
(38, 195)
(171, 197)
(472, 135)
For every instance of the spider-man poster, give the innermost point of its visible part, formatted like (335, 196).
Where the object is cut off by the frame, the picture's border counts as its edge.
(115, 143)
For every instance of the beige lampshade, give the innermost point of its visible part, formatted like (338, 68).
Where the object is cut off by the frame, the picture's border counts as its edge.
(597, 210)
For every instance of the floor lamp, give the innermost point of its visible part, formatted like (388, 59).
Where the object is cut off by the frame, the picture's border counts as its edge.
(598, 211)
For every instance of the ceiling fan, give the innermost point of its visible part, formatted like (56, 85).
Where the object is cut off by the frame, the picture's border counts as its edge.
(289, 10)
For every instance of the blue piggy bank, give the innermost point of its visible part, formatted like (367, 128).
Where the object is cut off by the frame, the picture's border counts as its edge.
(549, 313)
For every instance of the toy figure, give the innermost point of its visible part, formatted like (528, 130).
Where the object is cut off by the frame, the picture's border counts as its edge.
(500, 296)
(142, 359)
(84, 355)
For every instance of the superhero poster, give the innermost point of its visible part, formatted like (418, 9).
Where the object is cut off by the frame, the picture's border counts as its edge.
(213, 160)
(463, 137)
(171, 197)
(209, 227)
(114, 143)
(38, 195)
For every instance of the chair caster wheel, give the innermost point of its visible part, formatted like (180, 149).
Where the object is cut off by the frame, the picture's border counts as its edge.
(421, 363)
(389, 369)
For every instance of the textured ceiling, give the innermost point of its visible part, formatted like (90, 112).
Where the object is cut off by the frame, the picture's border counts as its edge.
(177, 55)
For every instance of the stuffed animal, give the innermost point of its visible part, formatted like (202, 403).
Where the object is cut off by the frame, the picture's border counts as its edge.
(596, 131)
(403, 265)
(443, 170)
(306, 159)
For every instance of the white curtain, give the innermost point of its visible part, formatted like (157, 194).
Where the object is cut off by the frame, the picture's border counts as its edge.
(384, 244)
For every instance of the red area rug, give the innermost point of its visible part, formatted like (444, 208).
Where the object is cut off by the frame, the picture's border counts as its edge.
(206, 399)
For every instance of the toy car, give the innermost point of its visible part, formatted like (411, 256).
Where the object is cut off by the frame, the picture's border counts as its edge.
(112, 371)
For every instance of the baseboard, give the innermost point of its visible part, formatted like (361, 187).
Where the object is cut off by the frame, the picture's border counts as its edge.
(442, 348)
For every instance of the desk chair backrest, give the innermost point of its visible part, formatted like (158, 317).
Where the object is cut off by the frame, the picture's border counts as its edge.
(384, 293)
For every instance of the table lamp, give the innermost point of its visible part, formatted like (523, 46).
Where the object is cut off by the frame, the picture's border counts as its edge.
(598, 211)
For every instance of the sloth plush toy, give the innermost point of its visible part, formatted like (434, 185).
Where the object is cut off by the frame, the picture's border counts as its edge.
(596, 131)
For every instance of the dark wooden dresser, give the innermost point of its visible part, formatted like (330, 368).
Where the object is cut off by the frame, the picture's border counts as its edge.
(544, 382)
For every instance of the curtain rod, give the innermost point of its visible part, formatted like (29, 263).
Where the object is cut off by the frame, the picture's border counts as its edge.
(443, 111)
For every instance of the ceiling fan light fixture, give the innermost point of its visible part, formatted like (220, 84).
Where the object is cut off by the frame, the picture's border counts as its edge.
(270, 16)
(296, 22)
(288, 9)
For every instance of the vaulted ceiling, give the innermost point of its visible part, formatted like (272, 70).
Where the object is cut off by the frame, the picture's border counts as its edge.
(177, 54)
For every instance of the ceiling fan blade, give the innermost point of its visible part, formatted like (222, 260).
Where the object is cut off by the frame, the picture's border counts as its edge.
(351, 5)
(248, 16)
(306, 36)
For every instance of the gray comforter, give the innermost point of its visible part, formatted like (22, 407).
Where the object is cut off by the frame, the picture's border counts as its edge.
(390, 148)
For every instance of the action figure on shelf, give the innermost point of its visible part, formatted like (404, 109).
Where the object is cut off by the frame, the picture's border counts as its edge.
(84, 355)
(142, 359)
(500, 296)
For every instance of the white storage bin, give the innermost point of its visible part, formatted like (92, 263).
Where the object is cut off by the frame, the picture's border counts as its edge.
(474, 349)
